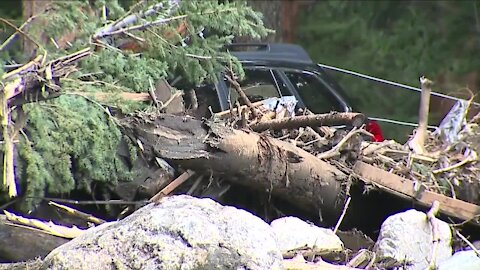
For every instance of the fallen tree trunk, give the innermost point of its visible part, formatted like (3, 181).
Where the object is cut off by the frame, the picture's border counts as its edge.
(243, 157)
(314, 120)
(22, 244)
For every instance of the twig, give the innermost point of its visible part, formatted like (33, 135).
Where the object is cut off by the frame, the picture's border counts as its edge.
(412, 156)
(315, 134)
(48, 227)
(456, 165)
(20, 31)
(301, 131)
(195, 185)
(92, 202)
(118, 22)
(151, 92)
(468, 242)
(77, 213)
(377, 147)
(435, 232)
(232, 110)
(336, 150)
(134, 37)
(345, 207)
(173, 97)
(242, 95)
(14, 35)
(362, 256)
(172, 186)
(23, 68)
(76, 55)
(452, 188)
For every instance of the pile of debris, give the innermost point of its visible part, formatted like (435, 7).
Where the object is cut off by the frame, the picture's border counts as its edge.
(308, 161)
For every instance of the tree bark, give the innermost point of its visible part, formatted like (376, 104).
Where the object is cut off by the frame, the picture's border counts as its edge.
(314, 120)
(243, 157)
(22, 244)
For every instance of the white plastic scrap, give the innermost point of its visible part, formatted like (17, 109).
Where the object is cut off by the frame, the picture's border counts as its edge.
(453, 122)
(278, 104)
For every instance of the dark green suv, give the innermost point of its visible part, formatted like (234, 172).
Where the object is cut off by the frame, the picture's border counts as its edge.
(275, 70)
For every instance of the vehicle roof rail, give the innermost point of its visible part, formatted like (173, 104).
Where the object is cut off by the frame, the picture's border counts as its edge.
(270, 51)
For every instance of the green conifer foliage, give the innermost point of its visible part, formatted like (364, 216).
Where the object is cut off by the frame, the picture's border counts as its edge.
(70, 143)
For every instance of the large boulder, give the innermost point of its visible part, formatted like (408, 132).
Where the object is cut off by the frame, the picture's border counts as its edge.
(181, 232)
(407, 237)
(462, 260)
(292, 233)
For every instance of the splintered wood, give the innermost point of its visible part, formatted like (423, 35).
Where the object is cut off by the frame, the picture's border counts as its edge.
(406, 188)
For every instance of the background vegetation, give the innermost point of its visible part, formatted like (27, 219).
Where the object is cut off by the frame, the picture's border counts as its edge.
(398, 41)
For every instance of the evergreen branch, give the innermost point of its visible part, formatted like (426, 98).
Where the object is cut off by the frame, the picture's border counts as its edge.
(146, 25)
(162, 21)
(130, 19)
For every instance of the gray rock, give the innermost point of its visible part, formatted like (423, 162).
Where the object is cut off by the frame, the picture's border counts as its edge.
(181, 232)
(407, 237)
(462, 260)
(292, 233)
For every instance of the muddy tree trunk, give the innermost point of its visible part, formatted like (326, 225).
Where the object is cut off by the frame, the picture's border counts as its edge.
(243, 157)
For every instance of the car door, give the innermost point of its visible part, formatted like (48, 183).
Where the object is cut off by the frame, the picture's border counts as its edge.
(259, 83)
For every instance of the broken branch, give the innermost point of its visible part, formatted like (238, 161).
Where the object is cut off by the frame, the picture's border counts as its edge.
(417, 143)
(316, 120)
(336, 150)
(347, 203)
(242, 95)
(172, 186)
(435, 233)
(78, 213)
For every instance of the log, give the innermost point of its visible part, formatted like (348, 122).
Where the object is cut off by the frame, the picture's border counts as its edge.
(315, 120)
(22, 244)
(405, 188)
(243, 157)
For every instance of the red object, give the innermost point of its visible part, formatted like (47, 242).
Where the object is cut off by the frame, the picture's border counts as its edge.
(374, 128)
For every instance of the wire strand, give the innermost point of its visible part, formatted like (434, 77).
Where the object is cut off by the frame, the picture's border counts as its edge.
(397, 122)
(404, 86)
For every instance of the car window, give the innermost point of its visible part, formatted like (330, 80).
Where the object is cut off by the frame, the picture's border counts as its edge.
(258, 84)
(205, 96)
(314, 93)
